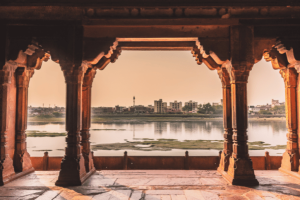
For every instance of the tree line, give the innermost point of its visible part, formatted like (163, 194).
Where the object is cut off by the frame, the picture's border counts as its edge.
(205, 109)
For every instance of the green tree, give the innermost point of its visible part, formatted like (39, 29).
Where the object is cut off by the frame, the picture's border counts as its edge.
(218, 109)
(208, 108)
(205, 108)
(201, 109)
(265, 112)
(279, 109)
(57, 114)
(187, 108)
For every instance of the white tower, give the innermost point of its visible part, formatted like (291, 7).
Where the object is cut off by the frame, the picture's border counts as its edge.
(133, 101)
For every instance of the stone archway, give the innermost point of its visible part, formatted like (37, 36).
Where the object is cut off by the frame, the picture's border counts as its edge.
(225, 46)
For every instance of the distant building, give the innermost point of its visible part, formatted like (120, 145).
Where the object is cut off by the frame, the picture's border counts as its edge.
(253, 109)
(275, 103)
(176, 105)
(102, 110)
(150, 109)
(160, 106)
(119, 109)
(140, 109)
(192, 104)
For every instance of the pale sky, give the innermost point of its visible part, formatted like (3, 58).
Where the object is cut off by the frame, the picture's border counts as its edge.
(153, 75)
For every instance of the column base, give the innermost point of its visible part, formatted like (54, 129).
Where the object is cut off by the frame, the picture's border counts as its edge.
(7, 170)
(291, 173)
(89, 162)
(18, 175)
(22, 163)
(240, 172)
(72, 172)
(289, 162)
(224, 162)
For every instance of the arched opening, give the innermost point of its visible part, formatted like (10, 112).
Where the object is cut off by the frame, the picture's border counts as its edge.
(150, 76)
(46, 111)
(266, 107)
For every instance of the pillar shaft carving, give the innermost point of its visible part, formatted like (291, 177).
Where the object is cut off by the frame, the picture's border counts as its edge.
(290, 160)
(6, 162)
(86, 119)
(72, 166)
(22, 160)
(227, 122)
(240, 170)
(284, 60)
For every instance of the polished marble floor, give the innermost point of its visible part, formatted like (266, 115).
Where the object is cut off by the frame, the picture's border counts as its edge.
(152, 185)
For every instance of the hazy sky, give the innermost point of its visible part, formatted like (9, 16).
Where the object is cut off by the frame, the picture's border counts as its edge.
(153, 75)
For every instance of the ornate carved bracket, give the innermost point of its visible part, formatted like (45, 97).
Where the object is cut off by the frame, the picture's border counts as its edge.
(32, 57)
(282, 57)
(292, 62)
(96, 49)
(105, 61)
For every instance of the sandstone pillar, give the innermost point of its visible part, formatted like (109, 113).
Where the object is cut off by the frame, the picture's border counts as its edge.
(73, 167)
(22, 162)
(86, 119)
(240, 170)
(227, 122)
(290, 158)
(6, 162)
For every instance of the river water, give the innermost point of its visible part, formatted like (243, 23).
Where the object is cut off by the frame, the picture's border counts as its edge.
(269, 131)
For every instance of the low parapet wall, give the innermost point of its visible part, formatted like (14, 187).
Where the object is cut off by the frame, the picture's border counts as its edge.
(157, 162)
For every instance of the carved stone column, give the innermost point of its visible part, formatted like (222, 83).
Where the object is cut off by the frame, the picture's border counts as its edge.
(240, 170)
(22, 160)
(73, 167)
(6, 162)
(227, 122)
(290, 158)
(284, 59)
(86, 119)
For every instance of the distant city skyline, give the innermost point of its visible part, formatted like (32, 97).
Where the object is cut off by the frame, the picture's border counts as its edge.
(153, 75)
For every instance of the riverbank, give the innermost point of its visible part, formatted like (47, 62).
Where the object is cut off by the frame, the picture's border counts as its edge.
(158, 118)
(147, 144)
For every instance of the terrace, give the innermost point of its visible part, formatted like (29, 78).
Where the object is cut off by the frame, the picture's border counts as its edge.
(153, 185)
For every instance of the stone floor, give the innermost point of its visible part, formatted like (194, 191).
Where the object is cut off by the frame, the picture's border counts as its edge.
(152, 185)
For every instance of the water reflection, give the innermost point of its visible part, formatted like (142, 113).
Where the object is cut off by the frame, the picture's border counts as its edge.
(191, 127)
(275, 126)
(272, 132)
(160, 127)
(176, 127)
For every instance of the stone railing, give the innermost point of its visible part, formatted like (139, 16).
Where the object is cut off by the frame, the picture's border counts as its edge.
(127, 162)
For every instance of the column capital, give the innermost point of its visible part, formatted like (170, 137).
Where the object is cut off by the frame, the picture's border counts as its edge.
(224, 76)
(73, 74)
(89, 77)
(23, 76)
(238, 73)
(289, 76)
(7, 72)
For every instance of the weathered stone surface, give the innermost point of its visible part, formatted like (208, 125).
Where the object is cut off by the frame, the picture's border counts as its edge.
(280, 186)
